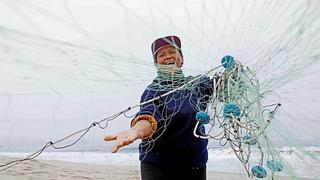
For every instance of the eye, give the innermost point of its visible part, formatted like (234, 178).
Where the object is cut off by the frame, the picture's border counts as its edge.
(160, 55)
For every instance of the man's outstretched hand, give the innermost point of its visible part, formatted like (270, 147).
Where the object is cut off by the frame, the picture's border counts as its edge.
(123, 138)
(141, 130)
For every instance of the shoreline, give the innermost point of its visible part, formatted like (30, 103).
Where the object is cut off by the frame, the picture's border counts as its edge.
(54, 169)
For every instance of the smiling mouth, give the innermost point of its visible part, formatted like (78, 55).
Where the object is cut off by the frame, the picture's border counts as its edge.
(170, 63)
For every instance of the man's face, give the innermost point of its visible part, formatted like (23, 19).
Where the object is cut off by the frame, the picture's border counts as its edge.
(169, 55)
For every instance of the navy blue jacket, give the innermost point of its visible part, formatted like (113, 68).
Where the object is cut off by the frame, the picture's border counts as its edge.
(173, 143)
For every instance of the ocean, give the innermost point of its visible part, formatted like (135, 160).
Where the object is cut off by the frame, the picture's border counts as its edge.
(301, 162)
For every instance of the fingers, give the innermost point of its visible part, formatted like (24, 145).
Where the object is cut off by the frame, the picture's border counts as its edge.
(110, 137)
(115, 137)
(122, 139)
(121, 143)
(115, 148)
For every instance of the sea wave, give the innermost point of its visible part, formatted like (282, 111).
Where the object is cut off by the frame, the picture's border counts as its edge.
(298, 161)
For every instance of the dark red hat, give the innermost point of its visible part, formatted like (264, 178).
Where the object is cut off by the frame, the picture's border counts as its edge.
(165, 41)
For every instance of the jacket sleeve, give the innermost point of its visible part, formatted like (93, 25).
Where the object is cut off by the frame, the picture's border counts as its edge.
(149, 111)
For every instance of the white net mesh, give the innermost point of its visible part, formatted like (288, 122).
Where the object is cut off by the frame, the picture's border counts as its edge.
(66, 64)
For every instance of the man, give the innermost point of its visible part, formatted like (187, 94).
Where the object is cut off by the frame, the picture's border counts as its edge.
(169, 150)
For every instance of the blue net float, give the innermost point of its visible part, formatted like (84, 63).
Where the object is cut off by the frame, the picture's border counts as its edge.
(231, 110)
(248, 139)
(227, 62)
(274, 166)
(259, 171)
(202, 117)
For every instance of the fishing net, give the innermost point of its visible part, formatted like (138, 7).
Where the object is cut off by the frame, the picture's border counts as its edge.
(68, 68)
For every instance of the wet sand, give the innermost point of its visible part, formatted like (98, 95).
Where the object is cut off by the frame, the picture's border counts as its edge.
(56, 170)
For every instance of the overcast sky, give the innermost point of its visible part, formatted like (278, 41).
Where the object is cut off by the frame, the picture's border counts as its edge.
(67, 63)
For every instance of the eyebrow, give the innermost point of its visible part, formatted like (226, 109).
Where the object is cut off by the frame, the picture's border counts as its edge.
(170, 50)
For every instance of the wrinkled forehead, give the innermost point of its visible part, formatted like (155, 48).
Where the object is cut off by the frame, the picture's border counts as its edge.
(166, 48)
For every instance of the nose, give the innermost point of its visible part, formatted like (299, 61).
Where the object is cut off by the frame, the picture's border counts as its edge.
(168, 56)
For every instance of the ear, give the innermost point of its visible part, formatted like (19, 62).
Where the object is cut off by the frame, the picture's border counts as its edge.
(180, 60)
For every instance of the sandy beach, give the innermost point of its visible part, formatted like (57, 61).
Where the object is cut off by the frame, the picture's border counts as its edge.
(50, 169)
